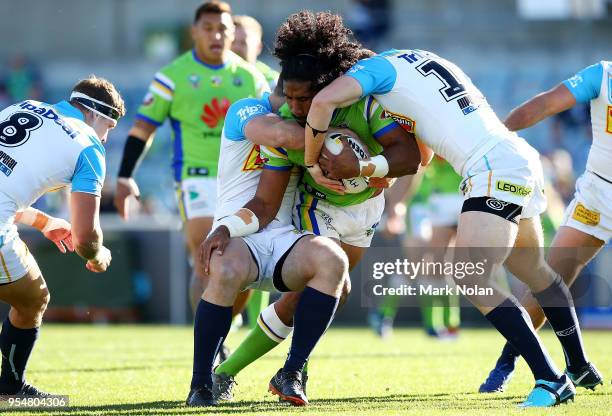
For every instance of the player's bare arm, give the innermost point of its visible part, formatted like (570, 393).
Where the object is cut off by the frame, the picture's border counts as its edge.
(254, 216)
(139, 138)
(55, 229)
(342, 92)
(271, 130)
(86, 231)
(540, 107)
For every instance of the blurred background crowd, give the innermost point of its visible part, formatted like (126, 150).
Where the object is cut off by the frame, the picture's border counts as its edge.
(511, 49)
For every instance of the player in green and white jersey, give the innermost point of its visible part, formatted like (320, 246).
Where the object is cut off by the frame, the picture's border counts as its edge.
(193, 93)
(350, 219)
(249, 45)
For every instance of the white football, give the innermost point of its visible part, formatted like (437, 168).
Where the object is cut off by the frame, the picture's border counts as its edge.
(334, 144)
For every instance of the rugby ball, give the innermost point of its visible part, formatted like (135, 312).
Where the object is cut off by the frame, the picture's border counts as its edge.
(334, 145)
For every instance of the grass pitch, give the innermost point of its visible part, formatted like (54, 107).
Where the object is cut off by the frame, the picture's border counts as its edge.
(145, 370)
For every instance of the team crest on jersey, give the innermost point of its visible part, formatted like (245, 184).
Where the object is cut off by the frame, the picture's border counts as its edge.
(254, 161)
(214, 112)
(406, 123)
(216, 81)
(194, 80)
(609, 124)
(237, 82)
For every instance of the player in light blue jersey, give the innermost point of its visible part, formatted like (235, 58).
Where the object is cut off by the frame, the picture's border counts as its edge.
(587, 223)
(503, 190)
(44, 147)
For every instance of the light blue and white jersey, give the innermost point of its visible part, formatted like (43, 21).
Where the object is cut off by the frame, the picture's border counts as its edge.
(594, 84)
(434, 99)
(45, 147)
(240, 161)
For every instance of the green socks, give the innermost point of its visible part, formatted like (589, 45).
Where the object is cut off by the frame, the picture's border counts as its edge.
(269, 332)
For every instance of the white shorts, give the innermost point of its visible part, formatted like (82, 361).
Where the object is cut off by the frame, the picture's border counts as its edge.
(510, 172)
(15, 260)
(591, 209)
(196, 197)
(353, 224)
(444, 209)
(267, 247)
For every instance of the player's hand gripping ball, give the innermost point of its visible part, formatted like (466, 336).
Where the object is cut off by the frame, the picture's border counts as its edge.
(340, 161)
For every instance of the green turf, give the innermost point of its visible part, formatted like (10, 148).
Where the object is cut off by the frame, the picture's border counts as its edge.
(145, 370)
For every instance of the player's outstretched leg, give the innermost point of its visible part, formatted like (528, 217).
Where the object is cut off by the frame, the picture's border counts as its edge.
(570, 251)
(28, 298)
(492, 240)
(228, 275)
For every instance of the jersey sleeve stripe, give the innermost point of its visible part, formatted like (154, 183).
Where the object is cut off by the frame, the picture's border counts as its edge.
(368, 108)
(270, 167)
(165, 81)
(377, 135)
(161, 90)
(277, 152)
(149, 120)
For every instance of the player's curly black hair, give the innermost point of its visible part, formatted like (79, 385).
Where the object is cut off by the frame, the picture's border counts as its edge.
(316, 47)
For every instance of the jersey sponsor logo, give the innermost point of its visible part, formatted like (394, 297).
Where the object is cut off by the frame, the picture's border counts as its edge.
(216, 81)
(214, 112)
(16, 129)
(512, 188)
(197, 171)
(327, 220)
(467, 105)
(356, 68)
(406, 123)
(584, 215)
(370, 231)
(50, 114)
(316, 193)
(7, 163)
(245, 112)
(254, 161)
(237, 82)
(609, 124)
(496, 204)
(575, 81)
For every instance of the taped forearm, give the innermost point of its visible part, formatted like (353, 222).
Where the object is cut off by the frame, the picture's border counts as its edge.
(242, 223)
(35, 218)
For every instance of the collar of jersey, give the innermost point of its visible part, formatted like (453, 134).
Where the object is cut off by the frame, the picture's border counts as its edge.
(68, 110)
(210, 66)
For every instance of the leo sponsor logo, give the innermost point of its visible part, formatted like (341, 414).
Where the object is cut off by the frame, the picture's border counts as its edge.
(518, 190)
(609, 124)
(406, 123)
(148, 99)
(584, 215)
